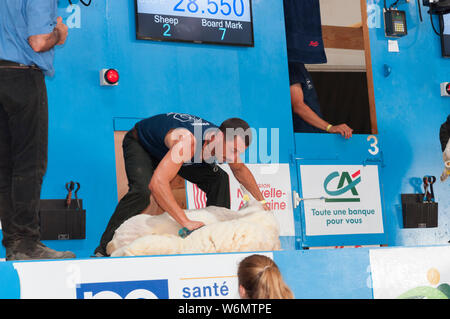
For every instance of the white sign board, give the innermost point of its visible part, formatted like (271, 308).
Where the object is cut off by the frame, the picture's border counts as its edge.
(413, 273)
(341, 199)
(174, 277)
(274, 181)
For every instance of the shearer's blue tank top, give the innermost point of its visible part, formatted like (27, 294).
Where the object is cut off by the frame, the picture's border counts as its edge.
(153, 130)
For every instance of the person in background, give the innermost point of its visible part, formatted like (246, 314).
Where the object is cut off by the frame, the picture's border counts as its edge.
(29, 32)
(260, 278)
(305, 45)
(444, 137)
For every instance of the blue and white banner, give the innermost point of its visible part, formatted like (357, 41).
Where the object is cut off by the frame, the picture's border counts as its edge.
(164, 277)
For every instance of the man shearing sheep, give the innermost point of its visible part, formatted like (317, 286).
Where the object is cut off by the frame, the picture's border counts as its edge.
(160, 147)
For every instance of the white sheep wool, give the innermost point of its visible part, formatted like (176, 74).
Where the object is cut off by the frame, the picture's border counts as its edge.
(249, 229)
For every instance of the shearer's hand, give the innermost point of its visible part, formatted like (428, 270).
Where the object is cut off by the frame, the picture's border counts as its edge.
(266, 205)
(193, 225)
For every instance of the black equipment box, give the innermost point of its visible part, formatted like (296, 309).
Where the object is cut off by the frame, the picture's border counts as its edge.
(60, 222)
(395, 23)
(418, 214)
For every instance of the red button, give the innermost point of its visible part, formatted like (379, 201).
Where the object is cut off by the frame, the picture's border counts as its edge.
(112, 76)
(447, 88)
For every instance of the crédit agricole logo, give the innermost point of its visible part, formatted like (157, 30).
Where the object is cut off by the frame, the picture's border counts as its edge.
(346, 186)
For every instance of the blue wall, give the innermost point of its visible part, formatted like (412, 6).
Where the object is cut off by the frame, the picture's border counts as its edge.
(410, 111)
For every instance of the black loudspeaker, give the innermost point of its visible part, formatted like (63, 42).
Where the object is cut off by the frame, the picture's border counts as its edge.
(418, 214)
(59, 222)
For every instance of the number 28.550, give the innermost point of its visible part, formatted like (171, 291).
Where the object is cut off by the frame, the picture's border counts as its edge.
(226, 7)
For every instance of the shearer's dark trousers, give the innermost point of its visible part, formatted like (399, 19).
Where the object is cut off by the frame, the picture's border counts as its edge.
(139, 166)
(23, 151)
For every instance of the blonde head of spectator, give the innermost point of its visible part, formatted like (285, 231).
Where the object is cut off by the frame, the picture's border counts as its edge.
(260, 278)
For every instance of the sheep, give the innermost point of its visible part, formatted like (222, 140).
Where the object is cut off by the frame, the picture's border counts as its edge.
(251, 228)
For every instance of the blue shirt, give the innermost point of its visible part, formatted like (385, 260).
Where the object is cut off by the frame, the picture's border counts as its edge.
(299, 75)
(153, 130)
(20, 19)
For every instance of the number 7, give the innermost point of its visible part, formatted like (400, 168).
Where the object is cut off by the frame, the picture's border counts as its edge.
(224, 31)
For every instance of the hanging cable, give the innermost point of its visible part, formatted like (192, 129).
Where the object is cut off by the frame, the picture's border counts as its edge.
(394, 4)
(434, 28)
(82, 1)
(440, 8)
(420, 10)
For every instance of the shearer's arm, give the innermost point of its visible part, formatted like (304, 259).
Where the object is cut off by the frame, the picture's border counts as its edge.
(181, 149)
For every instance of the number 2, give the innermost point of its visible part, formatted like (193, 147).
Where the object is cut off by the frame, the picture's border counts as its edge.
(176, 8)
(374, 146)
(167, 34)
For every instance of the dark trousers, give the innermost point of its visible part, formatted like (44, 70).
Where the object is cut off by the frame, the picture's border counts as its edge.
(23, 152)
(139, 166)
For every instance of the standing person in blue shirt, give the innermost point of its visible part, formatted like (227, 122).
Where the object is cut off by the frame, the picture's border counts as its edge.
(29, 31)
(305, 45)
(162, 146)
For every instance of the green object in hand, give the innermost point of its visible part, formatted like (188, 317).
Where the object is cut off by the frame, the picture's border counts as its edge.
(184, 232)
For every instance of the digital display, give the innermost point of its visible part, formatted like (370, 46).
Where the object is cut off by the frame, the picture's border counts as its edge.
(202, 21)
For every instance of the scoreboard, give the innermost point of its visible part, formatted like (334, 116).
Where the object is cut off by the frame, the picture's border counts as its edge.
(201, 21)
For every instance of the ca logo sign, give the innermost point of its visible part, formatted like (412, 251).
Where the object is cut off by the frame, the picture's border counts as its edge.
(347, 183)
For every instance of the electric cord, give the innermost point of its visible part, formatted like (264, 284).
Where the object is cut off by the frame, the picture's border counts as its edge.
(434, 28)
(82, 1)
(394, 4)
(439, 10)
(420, 10)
